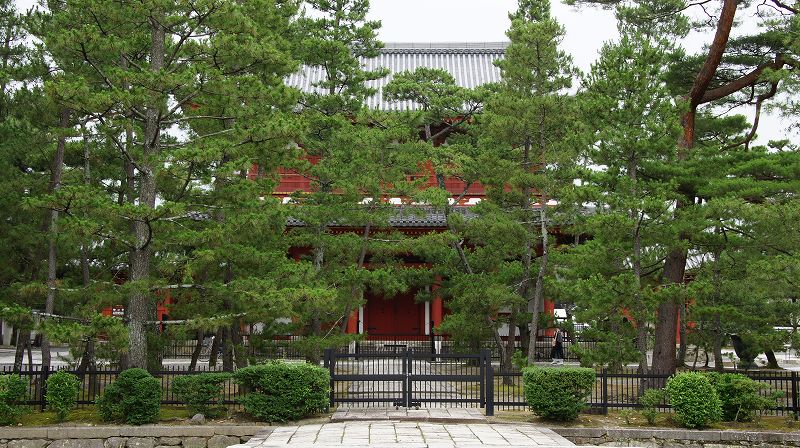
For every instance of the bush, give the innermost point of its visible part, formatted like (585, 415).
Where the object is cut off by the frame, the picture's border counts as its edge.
(202, 393)
(135, 397)
(694, 399)
(62, 393)
(13, 391)
(281, 391)
(558, 394)
(650, 401)
(739, 396)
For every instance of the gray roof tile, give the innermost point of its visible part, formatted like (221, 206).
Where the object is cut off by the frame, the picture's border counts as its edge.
(471, 64)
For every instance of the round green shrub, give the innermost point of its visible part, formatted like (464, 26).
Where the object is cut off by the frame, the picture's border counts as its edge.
(62, 393)
(202, 392)
(282, 391)
(739, 395)
(694, 399)
(558, 394)
(135, 397)
(13, 391)
(650, 400)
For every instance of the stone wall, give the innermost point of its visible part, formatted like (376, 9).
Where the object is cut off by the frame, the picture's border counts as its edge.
(665, 438)
(127, 436)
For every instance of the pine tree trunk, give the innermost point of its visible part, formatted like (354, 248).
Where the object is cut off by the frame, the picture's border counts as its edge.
(23, 339)
(55, 185)
(682, 347)
(196, 351)
(141, 304)
(212, 357)
(538, 289)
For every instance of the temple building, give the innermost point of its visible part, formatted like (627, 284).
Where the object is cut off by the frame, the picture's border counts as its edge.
(471, 65)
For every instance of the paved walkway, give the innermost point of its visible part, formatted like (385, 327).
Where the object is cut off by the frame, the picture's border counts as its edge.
(394, 434)
(439, 415)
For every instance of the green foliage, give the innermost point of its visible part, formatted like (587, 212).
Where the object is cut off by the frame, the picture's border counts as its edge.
(519, 360)
(13, 390)
(282, 391)
(135, 398)
(62, 393)
(739, 395)
(202, 392)
(558, 393)
(694, 399)
(650, 400)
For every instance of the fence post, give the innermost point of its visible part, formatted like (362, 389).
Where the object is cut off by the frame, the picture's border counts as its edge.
(795, 404)
(604, 375)
(328, 361)
(433, 340)
(489, 389)
(43, 386)
(486, 364)
(406, 378)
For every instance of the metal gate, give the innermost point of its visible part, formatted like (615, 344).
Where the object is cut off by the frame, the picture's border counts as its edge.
(410, 379)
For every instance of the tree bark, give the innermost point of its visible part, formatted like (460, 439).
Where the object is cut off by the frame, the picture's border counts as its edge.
(140, 303)
(52, 266)
(196, 351)
(23, 338)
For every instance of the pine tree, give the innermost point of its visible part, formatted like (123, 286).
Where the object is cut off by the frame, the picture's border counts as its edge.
(529, 113)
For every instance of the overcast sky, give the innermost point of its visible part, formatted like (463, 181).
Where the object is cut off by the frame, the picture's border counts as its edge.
(487, 20)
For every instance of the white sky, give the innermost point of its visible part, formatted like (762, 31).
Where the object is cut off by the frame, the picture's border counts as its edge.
(487, 20)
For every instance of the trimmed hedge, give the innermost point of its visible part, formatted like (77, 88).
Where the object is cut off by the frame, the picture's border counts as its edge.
(62, 393)
(282, 391)
(694, 399)
(558, 393)
(13, 390)
(202, 393)
(135, 397)
(739, 396)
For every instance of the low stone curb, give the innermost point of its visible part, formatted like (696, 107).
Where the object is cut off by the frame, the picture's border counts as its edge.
(672, 437)
(154, 436)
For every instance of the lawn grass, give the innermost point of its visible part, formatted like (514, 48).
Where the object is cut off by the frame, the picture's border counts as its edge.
(89, 415)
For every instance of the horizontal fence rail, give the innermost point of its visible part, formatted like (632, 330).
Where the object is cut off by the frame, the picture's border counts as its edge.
(617, 391)
(94, 382)
(410, 378)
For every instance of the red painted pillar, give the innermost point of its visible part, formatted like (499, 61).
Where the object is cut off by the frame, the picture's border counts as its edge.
(252, 172)
(352, 323)
(549, 309)
(436, 305)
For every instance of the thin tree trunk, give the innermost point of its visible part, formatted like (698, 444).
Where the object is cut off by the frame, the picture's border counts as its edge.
(140, 303)
(23, 336)
(212, 357)
(196, 351)
(52, 266)
(362, 255)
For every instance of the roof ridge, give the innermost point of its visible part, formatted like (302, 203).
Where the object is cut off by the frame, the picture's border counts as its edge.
(445, 47)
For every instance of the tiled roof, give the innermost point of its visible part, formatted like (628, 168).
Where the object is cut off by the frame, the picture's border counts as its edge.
(471, 64)
(410, 216)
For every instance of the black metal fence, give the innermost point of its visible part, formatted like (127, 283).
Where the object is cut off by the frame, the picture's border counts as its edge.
(94, 382)
(409, 378)
(618, 391)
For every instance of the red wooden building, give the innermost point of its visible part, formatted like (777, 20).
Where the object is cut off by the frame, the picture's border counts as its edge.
(471, 65)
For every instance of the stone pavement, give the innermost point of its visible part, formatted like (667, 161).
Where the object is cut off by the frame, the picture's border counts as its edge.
(441, 415)
(395, 434)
